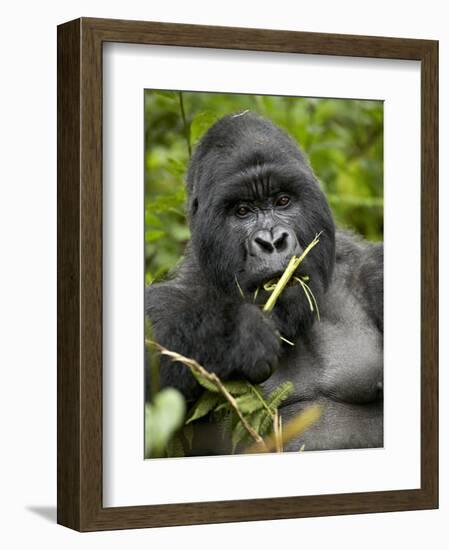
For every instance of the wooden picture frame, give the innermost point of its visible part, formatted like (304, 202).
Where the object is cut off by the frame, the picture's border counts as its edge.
(80, 351)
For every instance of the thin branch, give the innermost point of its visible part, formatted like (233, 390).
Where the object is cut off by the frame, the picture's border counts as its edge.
(185, 123)
(213, 378)
(293, 428)
(277, 433)
(261, 399)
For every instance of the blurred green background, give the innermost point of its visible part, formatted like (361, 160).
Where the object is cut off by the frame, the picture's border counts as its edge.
(343, 139)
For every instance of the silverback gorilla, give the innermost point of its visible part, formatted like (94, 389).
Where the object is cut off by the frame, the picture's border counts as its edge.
(253, 202)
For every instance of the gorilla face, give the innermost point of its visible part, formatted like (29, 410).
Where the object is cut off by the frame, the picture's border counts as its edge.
(253, 204)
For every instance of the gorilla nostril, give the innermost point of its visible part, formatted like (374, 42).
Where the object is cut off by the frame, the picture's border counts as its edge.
(281, 242)
(278, 241)
(264, 245)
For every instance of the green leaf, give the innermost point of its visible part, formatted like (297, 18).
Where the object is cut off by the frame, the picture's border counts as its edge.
(168, 202)
(257, 420)
(152, 220)
(162, 418)
(266, 423)
(239, 432)
(226, 424)
(205, 404)
(238, 435)
(180, 233)
(205, 382)
(175, 167)
(279, 394)
(154, 235)
(166, 95)
(225, 407)
(200, 124)
(248, 403)
(258, 416)
(237, 387)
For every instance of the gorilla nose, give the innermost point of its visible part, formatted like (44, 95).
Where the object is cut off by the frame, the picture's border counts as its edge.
(279, 240)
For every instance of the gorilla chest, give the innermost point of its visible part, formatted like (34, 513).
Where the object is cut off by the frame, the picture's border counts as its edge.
(339, 359)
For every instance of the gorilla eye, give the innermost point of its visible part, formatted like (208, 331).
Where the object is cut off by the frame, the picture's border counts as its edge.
(283, 201)
(242, 211)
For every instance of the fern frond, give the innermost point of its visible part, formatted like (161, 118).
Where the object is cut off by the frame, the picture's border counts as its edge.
(279, 394)
(205, 404)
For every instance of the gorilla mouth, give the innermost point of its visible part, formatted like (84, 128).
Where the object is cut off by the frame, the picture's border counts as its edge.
(280, 282)
(297, 281)
(260, 282)
(267, 282)
(270, 285)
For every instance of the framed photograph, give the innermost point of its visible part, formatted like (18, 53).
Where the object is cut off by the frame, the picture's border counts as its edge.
(247, 274)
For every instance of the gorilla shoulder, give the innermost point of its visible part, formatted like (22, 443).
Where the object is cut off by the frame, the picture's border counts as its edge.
(360, 264)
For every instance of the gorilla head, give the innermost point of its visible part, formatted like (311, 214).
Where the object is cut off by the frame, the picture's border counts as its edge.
(253, 203)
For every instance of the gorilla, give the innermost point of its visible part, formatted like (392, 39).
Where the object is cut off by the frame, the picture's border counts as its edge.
(253, 203)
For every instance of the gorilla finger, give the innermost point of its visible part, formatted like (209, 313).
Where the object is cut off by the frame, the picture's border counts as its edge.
(260, 371)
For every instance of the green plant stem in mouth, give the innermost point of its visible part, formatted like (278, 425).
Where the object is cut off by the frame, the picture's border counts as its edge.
(292, 266)
(277, 286)
(310, 297)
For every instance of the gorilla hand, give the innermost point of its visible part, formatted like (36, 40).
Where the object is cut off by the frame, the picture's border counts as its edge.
(233, 339)
(257, 345)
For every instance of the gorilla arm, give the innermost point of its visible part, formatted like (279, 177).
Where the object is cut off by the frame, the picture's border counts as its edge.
(370, 283)
(232, 338)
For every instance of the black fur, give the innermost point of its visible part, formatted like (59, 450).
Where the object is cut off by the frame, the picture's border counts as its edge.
(244, 231)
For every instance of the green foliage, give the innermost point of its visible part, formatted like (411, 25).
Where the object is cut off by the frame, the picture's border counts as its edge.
(200, 124)
(343, 139)
(163, 416)
(280, 394)
(205, 404)
(257, 410)
(169, 431)
(203, 381)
